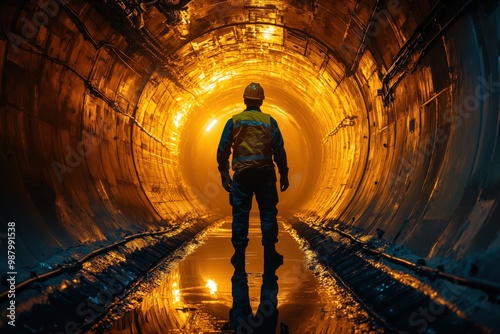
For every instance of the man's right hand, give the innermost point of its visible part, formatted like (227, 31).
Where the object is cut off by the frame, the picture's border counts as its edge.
(227, 183)
(284, 183)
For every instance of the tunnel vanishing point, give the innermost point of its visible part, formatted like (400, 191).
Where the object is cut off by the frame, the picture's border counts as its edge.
(111, 112)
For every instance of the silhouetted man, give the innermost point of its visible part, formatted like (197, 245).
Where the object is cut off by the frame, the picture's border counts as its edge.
(255, 140)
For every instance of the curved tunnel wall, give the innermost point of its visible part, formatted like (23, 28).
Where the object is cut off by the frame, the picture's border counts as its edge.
(100, 139)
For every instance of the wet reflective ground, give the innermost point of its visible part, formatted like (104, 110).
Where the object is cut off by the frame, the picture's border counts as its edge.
(195, 296)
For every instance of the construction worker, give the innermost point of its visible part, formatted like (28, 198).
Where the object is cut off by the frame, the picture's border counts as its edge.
(255, 140)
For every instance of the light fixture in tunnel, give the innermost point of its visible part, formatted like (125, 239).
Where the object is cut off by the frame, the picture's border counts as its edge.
(211, 83)
(176, 292)
(268, 32)
(175, 287)
(209, 87)
(211, 125)
(265, 34)
(183, 26)
(178, 118)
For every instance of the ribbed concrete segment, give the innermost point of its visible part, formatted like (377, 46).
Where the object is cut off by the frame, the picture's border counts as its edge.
(111, 112)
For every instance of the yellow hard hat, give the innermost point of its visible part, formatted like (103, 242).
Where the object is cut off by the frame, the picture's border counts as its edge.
(254, 91)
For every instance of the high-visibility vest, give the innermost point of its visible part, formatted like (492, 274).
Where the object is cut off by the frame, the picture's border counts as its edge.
(252, 140)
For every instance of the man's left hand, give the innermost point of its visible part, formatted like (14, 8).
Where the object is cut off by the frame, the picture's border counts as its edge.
(284, 183)
(227, 183)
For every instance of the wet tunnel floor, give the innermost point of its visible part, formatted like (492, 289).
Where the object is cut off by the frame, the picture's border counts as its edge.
(195, 295)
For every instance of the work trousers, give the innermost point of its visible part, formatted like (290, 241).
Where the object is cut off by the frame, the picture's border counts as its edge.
(262, 183)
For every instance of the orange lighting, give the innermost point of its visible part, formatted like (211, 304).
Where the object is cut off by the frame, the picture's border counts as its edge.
(211, 125)
(212, 286)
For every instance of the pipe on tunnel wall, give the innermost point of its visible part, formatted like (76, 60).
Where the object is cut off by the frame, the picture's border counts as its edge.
(98, 136)
(434, 151)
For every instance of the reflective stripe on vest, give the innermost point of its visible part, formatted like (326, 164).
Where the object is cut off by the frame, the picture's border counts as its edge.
(251, 140)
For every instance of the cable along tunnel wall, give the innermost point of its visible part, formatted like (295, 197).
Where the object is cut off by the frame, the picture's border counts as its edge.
(107, 135)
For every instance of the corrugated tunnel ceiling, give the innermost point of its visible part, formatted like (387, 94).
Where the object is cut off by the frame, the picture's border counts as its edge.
(112, 110)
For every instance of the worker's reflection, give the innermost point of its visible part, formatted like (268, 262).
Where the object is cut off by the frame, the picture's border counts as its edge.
(241, 317)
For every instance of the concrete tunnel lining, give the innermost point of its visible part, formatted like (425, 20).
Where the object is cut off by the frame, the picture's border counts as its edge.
(230, 94)
(406, 168)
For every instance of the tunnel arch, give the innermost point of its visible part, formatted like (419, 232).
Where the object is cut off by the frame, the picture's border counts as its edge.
(272, 72)
(96, 113)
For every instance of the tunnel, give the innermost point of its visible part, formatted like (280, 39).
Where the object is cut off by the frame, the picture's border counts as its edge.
(111, 113)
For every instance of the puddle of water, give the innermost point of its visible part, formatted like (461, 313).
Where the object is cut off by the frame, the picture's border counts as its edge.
(195, 296)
